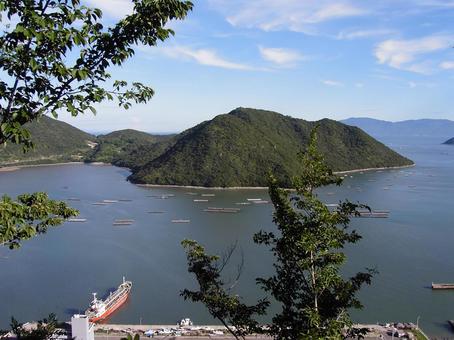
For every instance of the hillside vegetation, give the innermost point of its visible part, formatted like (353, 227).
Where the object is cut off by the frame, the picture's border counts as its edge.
(54, 141)
(129, 148)
(239, 148)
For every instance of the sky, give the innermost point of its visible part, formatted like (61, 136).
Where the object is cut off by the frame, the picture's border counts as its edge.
(310, 59)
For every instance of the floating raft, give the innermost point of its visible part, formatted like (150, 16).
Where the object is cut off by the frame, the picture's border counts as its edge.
(201, 200)
(100, 203)
(442, 285)
(254, 199)
(76, 220)
(181, 221)
(162, 197)
(261, 202)
(73, 199)
(222, 210)
(109, 201)
(156, 212)
(123, 222)
(373, 214)
(125, 200)
(243, 203)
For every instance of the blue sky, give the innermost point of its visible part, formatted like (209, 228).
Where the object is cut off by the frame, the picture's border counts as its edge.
(387, 59)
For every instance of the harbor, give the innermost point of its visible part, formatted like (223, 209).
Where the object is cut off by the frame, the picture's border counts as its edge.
(410, 249)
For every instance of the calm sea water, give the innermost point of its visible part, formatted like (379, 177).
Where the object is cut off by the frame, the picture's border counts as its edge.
(57, 272)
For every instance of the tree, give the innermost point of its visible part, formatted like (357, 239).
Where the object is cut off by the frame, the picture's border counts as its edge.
(45, 329)
(315, 299)
(55, 56)
(235, 315)
(130, 337)
(307, 248)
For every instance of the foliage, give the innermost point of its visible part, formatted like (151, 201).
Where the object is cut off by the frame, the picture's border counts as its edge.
(130, 337)
(236, 316)
(56, 57)
(315, 299)
(307, 247)
(30, 215)
(45, 329)
(57, 142)
(238, 149)
(129, 148)
(54, 142)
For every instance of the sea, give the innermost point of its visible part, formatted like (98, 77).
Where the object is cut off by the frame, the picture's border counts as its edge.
(57, 272)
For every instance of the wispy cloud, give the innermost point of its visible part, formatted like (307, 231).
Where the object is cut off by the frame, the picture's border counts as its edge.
(113, 8)
(293, 15)
(359, 85)
(447, 65)
(329, 82)
(204, 56)
(283, 57)
(361, 34)
(406, 54)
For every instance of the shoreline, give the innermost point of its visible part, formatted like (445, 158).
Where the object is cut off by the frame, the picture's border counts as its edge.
(10, 168)
(173, 186)
(374, 169)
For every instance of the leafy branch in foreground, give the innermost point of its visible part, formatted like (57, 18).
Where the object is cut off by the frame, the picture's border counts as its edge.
(236, 316)
(31, 214)
(307, 246)
(55, 55)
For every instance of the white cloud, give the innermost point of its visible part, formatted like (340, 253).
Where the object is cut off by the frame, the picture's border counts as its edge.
(359, 85)
(403, 54)
(360, 34)
(113, 8)
(293, 15)
(203, 56)
(329, 82)
(447, 65)
(280, 56)
(412, 85)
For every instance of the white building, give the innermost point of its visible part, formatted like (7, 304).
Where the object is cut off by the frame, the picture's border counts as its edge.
(82, 328)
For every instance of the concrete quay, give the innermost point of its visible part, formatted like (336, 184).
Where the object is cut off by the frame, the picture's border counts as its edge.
(117, 331)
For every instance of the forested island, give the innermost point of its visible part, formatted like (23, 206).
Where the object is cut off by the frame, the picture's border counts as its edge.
(236, 149)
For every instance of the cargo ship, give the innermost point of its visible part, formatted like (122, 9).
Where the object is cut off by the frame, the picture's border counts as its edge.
(100, 309)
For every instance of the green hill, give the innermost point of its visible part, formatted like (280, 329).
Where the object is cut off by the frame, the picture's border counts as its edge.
(238, 149)
(449, 141)
(129, 148)
(55, 142)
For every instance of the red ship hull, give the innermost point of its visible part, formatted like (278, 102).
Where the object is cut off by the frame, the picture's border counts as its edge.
(112, 309)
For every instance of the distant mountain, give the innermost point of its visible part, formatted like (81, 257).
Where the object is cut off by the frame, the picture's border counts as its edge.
(129, 148)
(449, 141)
(55, 142)
(239, 148)
(421, 127)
